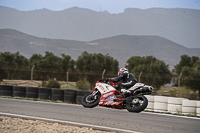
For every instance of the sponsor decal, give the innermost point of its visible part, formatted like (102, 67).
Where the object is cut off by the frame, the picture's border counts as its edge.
(139, 84)
(110, 93)
(110, 98)
(110, 103)
(101, 87)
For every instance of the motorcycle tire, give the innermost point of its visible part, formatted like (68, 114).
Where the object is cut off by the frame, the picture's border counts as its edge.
(90, 104)
(138, 107)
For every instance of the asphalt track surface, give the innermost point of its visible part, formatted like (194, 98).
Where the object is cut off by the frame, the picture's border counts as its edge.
(99, 117)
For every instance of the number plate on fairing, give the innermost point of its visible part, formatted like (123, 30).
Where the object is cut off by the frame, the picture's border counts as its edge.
(104, 88)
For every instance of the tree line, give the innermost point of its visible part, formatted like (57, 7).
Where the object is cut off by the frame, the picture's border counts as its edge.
(90, 67)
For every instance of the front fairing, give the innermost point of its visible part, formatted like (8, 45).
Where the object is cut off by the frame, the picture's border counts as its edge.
(110, 99)
(104, 88)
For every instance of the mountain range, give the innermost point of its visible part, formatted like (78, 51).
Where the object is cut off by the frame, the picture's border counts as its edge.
(120, 47)
(178, 25)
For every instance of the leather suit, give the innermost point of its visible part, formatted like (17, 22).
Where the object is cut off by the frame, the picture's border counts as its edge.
(128, 80)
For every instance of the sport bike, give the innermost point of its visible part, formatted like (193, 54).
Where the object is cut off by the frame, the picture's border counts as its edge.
(106, 95)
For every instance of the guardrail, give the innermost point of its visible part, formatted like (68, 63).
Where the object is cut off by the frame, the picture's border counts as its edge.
(67, 95)
(173, 105)
(156, 103)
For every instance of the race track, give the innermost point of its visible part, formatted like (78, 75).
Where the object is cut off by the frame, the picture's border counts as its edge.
(101, 117)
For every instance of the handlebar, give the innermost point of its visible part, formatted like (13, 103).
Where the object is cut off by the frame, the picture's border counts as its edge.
(106, 81)
(103, 81)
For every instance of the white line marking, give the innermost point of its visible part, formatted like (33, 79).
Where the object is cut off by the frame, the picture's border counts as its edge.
(69, 122)
(171, 115)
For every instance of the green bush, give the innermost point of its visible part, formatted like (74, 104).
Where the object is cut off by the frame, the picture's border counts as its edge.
(52, 84)
(173, 93)
(183, 92)
(83, 84)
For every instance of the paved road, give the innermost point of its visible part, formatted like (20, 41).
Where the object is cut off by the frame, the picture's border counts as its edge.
(121, 119)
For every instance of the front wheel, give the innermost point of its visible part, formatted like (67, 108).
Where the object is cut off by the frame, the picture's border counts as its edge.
(90, 101)
(137, 104)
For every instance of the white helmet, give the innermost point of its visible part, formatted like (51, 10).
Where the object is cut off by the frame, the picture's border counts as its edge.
(122, 70)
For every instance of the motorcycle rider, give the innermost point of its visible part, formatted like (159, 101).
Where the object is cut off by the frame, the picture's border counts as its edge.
(128, 80)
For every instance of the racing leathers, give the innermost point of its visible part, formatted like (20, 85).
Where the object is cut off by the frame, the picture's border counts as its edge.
(128, 80)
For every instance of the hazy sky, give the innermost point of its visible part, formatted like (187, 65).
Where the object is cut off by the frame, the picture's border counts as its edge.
(112, 6)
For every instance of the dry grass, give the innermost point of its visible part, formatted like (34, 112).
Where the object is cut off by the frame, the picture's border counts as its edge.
(181, 92)
(37, 83)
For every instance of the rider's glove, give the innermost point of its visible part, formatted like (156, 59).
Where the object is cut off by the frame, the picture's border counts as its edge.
(107, 80)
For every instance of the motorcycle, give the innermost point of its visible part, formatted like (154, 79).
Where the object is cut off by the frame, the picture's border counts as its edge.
(106, 95)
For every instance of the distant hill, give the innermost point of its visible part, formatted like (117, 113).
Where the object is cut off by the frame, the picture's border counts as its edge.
(179, 25)
(120, 47)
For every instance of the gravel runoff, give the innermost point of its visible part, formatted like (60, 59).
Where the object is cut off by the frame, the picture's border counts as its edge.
(18, 125)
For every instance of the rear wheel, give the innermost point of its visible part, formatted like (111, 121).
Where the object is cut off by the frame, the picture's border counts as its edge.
(90, 101)
(137, 104)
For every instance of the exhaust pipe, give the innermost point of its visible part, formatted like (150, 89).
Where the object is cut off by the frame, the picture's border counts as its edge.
(146, 89)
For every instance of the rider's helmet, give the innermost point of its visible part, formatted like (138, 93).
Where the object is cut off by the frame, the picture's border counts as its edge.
(122, 70)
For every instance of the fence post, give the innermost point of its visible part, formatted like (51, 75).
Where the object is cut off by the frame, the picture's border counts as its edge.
(179, 80)
(67, 78)
(103, 73)
(32, 75)
(140, 76)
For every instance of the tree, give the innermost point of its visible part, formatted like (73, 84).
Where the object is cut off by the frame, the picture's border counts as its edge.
(20, 60)
(154, 71)
(94, 64)
(13, 65)
(190, 69)
(22, 65)
(68, 64)
(48, 66)
(185, 61)
(34, 60)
